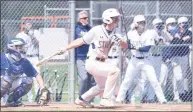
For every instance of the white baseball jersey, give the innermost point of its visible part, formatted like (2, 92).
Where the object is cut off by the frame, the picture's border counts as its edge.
(115, 48)
(100, 41)
(142, 65)
(32, 49)
(140, 41)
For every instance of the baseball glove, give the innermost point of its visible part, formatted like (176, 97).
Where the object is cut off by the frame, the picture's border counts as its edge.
(44, 97)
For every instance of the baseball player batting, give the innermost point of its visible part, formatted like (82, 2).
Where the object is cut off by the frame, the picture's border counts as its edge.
(100, 38)
(141, 43)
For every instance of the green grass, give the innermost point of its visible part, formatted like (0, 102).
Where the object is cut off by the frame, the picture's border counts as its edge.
(56, 80)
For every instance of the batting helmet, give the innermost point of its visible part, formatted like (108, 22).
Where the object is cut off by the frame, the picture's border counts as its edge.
(157, 21)
(182, 20)
(170, 20)
(138, 18)
(107, 14)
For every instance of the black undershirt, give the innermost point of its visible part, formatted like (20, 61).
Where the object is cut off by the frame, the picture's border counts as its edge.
(109, 32)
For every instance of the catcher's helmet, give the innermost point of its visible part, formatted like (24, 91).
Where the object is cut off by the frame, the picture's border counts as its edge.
(16, 47)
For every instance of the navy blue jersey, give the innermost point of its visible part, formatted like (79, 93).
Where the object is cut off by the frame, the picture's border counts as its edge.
(4, 63)
(20, 67)
(81, 52)
(181, 50)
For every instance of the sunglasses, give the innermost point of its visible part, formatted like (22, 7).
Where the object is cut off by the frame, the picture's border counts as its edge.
(84, 18)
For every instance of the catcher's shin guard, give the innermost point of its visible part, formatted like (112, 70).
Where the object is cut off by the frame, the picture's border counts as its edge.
(5, 84)
(21, 90)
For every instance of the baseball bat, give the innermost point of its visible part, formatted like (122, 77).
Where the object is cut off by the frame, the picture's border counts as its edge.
(59, 95)
(123, 22)
(38, 92)
(46, 59)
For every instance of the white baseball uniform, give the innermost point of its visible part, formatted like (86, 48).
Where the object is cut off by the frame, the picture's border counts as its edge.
(162, 39)
(140, 61)
(114, 53)
(105, 74)
(32, 55)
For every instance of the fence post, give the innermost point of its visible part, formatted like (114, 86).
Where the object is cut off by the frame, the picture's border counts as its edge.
(157, 9)
(72, 56)
(3, 39)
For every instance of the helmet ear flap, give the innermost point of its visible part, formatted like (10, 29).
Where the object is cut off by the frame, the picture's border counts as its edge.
(107, 20)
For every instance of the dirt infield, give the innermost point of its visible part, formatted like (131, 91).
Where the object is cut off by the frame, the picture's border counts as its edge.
(121, 107)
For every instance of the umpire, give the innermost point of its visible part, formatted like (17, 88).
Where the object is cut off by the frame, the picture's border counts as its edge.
(85, 80)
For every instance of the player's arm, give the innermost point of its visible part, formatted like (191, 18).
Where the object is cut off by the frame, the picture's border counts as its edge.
(188, 37)
(121, 41)
(167, 35)
(76, 43)
(32, 35)
(30, 71)
(40, 81)
(86, 39)
(124, 44)
(144, 49)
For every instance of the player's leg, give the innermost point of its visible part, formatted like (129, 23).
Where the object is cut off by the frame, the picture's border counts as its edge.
(20, 87)
(109, 73)
(6, 82)
(151, 75)
(185, 76)
(140, 89)
(84, 99)
(82, 77)
(105, 70)
(113, 61)
(130, 75)
(178, 79)
(95, 90)
(164, 74)
(157, 67)
(175, 90)
(130, 94)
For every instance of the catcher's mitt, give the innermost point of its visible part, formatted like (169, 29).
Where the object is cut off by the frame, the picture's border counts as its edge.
(44, 97)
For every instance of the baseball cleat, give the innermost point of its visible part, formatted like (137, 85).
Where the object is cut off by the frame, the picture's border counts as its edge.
(107, 102)
(164, 102)
(177, 100)
(14, 104)
(84, 104)
(120, 101)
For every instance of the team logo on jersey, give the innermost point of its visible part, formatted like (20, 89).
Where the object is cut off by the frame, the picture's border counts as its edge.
(114, 49)
(138, 43)
(105, 44)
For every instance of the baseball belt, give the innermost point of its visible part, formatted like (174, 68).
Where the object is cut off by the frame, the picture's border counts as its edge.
(99, 59)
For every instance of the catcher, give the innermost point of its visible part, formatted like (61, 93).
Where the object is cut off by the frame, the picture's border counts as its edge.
(12, 81)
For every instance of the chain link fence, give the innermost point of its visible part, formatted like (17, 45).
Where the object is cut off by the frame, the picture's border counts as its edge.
(54, 30)
(53, 19)
(174, 84)
(163, 10)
